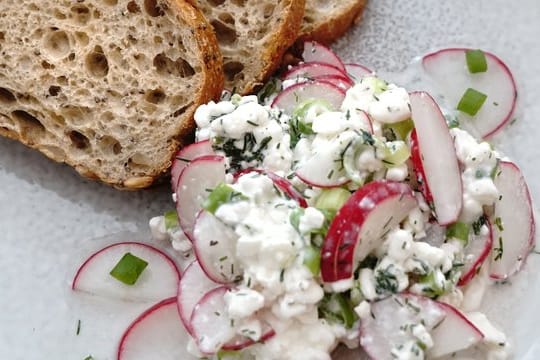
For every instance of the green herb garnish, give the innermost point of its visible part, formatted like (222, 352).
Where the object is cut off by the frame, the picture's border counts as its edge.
(221, 194)
(128, 269)
(471, 101)
(171, 219)
(460, 231)
(476, 61)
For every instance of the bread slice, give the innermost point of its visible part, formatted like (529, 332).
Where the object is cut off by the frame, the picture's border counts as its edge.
(106, 86)
(252, 35)
(325, 21)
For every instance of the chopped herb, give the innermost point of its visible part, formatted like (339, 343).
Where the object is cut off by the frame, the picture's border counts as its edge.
(471, 101)
(477, 225)
(330, 173)
(252, 123)
(89, 357)
(223, 258)
(385, 282)
(128, 269)
(214, 242)
(250, 151)
(281, 275)
(476, 61)
(273, 86)
(499, 250)
(78, 327)
(222, 194)
(498, 223)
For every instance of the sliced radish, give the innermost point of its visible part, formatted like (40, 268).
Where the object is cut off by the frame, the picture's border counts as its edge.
(448, 68)
(357, 71)
(185, 155)
(240, 342)
(476, 253)
(294, 95)
(312, 70)
(315, 52)
(156, 334)
(394, 319)
(436, 161)
(281, 183)
(361, 224)
(193, 285)
(321, 169)
(198, 177)
(159, 279)
(215, 248)
(341, 82)
(514, 224)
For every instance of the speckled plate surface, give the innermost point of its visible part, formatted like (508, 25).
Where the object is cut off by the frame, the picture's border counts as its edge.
(49, 215)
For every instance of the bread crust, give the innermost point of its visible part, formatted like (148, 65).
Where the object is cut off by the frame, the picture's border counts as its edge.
(279, 43)
(333, 27)
(210, 88)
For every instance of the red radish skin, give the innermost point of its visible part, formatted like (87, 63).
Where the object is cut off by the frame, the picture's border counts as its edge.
(185, 155)
(193, 285)
(360, 226)
(479, 248)
(159, 279)
(515, 211)
(294, 95)
(416, 159)
(437, 160)
(281, 183)
(449, 70)
(356, 71)
(312, 70)
(156, 334)
(240, 342)
(201, 174)
(315, 52)
(339, 81)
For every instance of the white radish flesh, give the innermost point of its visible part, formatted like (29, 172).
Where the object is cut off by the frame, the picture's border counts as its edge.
(289, 99)
(438, 160)
(194, 185)
(215, 248)
(357, 72)
(341, 82)
(315, 52)
(157, 281)
(193, 285)
(514, 224)
(185, 155)
(395, 318)
(448, 69)
(476, 253)
(156, 334)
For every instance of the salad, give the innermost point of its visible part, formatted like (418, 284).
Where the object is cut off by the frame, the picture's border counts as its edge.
(333, 208)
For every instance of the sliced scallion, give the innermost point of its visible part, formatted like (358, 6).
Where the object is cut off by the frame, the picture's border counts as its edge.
(471, 101)
(312, 259)
(171, 219)
(128, 269)
(476, 61)
(395, 153)
(332, 199)
(221, 194)
(460, 231)
(402, 128)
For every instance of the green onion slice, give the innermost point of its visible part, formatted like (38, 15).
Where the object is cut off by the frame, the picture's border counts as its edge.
(171, 219)
(476, 61)
(460, 231)
(128, 269)
(402, 128)
(221, 194)
(471, 101)
(312, 259)
(395, 153)
(332, 199)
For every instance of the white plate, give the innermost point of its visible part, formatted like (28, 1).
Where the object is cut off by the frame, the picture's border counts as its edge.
(48, 213)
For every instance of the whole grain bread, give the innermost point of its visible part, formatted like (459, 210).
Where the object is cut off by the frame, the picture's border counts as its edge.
(325, 21)
(253, 36)
(106, 86)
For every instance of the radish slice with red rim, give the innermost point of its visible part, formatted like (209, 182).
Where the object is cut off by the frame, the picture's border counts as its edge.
(476, 253)
(513, 225)
(315, 52)
(157, 281)
(215, 248)
(214, 330)
(340, 81)
(185, 155)
(294, 95)
(356, 72)
(395, 318)
(312, 70)
(448, 69)
(156, 334)
(198, 177)
(435, 158)
(361, 225)
(193, 285)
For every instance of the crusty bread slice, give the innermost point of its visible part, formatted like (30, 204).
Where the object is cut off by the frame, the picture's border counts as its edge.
(253, 35)
(106, 86)
(325, 21)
